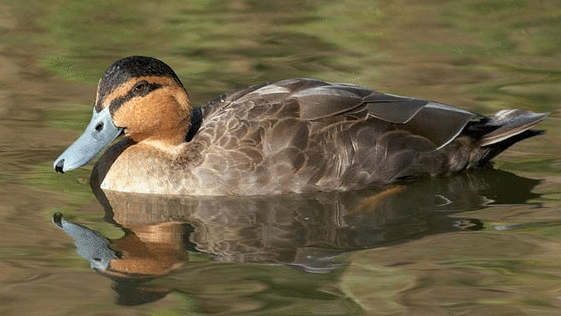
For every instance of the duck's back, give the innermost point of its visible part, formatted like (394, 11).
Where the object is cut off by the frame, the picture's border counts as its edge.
(303, 135)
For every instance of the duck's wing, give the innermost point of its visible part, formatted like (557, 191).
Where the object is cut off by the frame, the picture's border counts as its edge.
(439, 123)
(310, 99)
(225, 99)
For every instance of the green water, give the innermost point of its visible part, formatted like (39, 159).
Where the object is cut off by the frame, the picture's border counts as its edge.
(476, 244)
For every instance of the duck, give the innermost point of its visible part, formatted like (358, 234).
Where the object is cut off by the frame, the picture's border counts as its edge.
(297, 135)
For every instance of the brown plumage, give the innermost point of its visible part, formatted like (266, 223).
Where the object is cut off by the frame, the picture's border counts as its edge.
(296, 135)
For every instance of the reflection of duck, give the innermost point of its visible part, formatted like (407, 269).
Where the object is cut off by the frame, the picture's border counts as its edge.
(299, 230)
(297, 135)
(311, 232)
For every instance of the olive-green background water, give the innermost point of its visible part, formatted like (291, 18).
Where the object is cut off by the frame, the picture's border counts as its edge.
(478, 54)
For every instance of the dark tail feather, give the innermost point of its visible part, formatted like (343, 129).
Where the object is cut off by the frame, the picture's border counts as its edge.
(500, 131)
(497, 148)
(509, 123)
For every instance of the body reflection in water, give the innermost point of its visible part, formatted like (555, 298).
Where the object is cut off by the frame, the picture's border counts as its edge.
(311, 233)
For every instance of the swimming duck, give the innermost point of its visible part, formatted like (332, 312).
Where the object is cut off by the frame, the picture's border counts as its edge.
(296, 135)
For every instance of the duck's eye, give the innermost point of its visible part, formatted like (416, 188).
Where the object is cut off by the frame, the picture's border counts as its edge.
(99, 126)
(140, 88)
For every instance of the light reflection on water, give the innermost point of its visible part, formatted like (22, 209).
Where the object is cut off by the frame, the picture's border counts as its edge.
(310, 235)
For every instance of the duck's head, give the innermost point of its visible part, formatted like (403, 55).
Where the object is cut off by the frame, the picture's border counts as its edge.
(140, 97)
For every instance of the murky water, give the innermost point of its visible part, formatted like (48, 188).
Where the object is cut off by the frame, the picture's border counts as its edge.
(486, 242)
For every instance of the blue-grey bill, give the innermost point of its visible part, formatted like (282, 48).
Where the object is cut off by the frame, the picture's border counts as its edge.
(99, 133)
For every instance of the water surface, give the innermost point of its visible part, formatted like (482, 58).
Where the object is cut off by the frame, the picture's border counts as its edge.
(478, 243)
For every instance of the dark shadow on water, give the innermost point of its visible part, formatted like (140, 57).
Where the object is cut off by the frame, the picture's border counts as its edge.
(311, 233)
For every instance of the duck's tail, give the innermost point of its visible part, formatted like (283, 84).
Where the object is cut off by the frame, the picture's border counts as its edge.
(496, 133)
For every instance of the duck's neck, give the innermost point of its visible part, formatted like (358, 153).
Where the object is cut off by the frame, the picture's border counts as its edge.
(196, 122)
(170, 146)
(177, 139)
